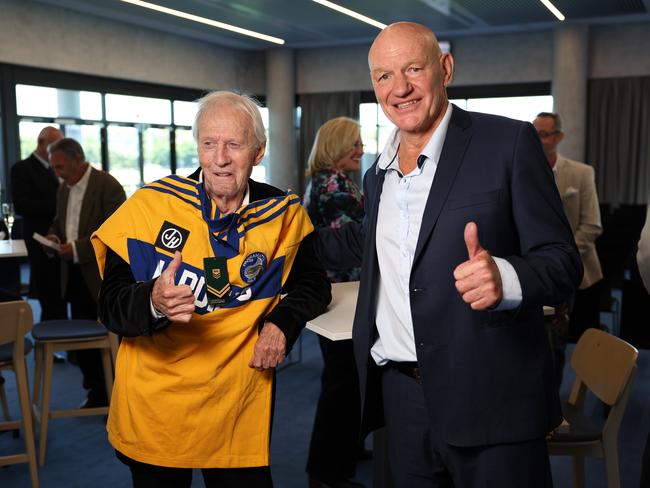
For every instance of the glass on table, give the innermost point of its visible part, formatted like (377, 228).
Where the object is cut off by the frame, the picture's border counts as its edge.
(9, 216)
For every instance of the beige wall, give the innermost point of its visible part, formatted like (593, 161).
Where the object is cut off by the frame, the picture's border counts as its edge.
(36, 34)
(39, 35)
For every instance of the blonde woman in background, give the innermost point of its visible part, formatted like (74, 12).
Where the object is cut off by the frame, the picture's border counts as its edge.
(333, 199)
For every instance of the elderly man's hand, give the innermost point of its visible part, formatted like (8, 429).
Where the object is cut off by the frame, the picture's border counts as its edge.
(270, 348)
(478, 279)
(176, 302)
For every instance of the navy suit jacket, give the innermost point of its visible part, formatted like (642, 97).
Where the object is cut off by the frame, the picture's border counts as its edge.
(486, 375)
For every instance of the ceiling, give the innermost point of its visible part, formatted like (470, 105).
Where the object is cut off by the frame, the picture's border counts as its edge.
(304, 23)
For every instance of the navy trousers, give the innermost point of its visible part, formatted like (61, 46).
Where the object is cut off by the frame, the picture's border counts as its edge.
(419, 458)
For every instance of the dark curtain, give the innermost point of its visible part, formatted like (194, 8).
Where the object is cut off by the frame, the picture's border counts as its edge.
(316, 109)
(618, 138)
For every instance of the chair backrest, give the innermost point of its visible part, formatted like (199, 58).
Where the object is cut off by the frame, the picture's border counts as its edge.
(604, 364)
(15, 321)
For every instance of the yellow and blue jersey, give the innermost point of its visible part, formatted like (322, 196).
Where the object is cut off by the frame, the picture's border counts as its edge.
(185, 396)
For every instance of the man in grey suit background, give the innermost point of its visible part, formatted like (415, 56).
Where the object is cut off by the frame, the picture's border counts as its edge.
(576, 184)
(86, 198)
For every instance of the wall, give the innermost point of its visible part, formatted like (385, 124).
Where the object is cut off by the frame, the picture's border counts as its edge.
(39, 35)
(620, 50)
(615, 50)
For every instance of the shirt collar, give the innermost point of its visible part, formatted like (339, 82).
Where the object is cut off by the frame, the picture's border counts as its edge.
(83, 182)
(432, 150)
(43, 161)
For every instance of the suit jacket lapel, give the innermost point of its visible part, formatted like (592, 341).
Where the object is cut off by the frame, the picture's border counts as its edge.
(84, 211)
(453, 151)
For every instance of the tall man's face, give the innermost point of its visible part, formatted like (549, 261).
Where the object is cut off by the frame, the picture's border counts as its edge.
(409, 76)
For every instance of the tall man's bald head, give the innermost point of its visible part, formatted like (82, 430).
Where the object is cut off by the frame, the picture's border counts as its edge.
(46, 137)
(410, 75)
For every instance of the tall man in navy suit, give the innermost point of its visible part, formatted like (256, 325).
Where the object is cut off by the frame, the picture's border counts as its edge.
(449, 338)
(33, 191)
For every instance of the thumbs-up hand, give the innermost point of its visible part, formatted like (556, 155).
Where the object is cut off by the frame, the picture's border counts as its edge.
(175, 302)
(478, 279)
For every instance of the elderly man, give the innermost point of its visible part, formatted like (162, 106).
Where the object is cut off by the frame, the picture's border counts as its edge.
(449, 338)
(33, 190)
(193, 272)
(85, 200)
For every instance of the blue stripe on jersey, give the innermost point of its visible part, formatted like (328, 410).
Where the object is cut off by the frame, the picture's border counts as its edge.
(177, 188)
(270, 217)
(144, 260)
(169, 192)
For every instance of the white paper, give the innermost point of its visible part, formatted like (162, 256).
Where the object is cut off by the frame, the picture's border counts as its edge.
(46, 242)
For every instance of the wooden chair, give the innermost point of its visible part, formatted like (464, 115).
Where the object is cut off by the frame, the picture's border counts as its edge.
(65, 335)
(15, 322)
(604, 365)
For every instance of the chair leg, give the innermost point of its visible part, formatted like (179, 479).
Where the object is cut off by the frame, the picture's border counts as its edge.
(108, 372)
(38, 371)
(3, 401)
(610, 455)
(48, 352)
(578, 472)
(22, 384)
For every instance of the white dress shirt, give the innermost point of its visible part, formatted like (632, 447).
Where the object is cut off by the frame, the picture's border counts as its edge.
(73, 211)
(401, 208)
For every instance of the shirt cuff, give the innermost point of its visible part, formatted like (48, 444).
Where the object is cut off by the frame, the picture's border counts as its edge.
(510, 285)
(75, 256)
(155, 313)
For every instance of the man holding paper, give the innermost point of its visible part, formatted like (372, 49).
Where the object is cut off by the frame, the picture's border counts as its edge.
(86, 198)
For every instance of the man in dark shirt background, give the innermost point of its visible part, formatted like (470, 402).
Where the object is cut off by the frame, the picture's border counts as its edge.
(33, 189)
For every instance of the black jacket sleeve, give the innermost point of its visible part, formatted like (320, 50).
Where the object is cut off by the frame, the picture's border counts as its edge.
(308, 292)
(124, 304)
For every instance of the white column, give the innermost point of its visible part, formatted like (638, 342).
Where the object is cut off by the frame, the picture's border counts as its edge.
(569, 87)
(282, 170)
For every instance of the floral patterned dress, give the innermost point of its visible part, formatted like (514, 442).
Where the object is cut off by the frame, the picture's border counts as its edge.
(332, 199)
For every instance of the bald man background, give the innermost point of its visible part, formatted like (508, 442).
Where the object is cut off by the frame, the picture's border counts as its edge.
(33, 190)
(464, 241)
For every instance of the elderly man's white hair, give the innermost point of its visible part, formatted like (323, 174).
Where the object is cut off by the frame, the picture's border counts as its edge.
(247, 105)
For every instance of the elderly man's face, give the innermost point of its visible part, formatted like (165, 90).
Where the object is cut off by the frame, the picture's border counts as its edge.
(227, 152)
(409, 77)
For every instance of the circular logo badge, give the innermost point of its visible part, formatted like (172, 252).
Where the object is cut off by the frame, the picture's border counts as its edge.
(172, 238)
(252, 267)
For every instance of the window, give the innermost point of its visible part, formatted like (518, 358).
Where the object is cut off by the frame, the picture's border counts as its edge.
(375, 129)
(130, 136)
(521, 108)
(375, 126)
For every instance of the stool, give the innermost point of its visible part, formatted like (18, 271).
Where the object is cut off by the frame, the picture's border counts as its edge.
(65, 335)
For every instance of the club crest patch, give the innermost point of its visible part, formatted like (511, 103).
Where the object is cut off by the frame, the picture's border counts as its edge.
(171, 237)
(252, 267)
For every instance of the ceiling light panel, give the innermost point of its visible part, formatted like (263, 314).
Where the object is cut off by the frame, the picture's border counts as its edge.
(204, 20)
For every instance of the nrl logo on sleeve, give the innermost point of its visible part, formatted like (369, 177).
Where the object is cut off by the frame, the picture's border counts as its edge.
(171, 237)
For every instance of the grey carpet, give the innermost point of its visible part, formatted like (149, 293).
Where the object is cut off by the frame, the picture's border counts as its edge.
(78, 454)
